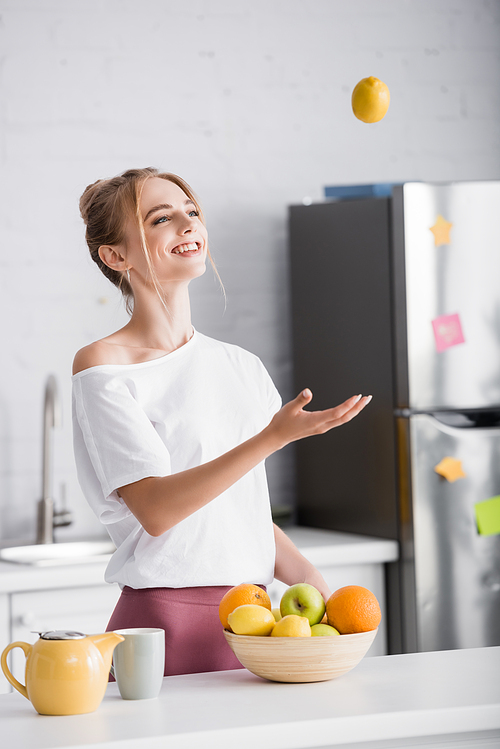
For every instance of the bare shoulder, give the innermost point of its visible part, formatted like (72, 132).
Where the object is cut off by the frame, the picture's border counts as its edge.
(117, 348)
(99, 352)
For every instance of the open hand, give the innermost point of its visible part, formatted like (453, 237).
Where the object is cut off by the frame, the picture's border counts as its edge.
(292, 423)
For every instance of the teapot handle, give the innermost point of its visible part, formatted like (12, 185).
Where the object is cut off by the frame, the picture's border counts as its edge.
(26, 648)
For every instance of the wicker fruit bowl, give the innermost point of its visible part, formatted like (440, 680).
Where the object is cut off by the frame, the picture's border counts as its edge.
(300, 659)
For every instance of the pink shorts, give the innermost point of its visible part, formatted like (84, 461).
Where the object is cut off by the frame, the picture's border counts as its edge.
(194, 639)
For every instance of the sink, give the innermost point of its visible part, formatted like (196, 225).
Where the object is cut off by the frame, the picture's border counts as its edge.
(49, 555)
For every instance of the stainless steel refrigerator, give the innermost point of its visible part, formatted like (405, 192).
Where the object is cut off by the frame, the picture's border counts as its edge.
(396, 293)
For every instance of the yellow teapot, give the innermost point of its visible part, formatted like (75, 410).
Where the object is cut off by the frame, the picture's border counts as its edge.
(66, 672)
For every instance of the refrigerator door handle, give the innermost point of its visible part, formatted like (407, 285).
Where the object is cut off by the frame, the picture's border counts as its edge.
(486, 418)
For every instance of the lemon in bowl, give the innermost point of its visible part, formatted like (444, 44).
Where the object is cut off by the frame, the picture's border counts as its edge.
(251, 620)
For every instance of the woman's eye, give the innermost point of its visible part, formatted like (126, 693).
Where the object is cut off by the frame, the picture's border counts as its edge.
(164, 219)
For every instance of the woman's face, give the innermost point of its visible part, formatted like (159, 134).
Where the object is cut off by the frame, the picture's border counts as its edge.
(176, 236)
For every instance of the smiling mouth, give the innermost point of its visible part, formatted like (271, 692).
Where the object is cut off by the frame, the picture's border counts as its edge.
(188, 247)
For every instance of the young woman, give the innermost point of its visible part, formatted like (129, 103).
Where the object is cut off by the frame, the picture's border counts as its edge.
(172, 428)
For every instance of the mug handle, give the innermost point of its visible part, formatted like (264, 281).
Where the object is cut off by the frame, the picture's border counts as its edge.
(26, 648)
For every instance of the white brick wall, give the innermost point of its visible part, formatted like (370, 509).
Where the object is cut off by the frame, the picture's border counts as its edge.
(250, 102)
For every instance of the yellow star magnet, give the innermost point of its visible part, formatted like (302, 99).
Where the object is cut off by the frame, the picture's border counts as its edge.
(441, 231)
(451, 469)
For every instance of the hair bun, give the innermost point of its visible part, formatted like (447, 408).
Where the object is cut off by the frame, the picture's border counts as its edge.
(87, 199)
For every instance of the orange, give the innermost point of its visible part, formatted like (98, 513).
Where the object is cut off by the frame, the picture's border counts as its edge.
(353, 609)
(370, 100)
(241, 595)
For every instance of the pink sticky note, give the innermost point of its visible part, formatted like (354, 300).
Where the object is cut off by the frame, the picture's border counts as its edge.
(447, 331)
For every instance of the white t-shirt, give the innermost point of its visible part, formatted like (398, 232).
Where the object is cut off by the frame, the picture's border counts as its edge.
(164, 416)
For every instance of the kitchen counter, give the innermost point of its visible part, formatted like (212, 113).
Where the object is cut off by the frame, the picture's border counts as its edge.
(319, 546)
(324, 547)
(421, 699)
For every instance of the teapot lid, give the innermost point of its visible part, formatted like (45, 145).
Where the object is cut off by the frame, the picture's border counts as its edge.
(61, 634)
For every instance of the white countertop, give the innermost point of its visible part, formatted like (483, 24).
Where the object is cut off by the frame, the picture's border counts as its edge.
(15, 578)
(321, 547)
(387, 699)
(324, 547)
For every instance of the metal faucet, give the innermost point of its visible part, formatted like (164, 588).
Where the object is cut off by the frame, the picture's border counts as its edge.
(48, 516)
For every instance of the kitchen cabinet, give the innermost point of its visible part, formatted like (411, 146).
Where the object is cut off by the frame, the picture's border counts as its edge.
(85, 609)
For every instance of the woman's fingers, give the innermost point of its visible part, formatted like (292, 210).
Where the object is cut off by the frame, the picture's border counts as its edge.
(346, 411)
(304, 398)
(336, 411)
(323, 421)
(293, 422)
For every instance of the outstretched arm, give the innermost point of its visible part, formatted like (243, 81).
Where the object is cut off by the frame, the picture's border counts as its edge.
(159, 503)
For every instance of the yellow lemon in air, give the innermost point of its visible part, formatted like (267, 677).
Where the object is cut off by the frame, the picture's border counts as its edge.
(370, 100)
(292, 626)
(251, 619)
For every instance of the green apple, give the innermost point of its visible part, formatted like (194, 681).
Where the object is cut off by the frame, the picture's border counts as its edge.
(303, 599)
(318, 630)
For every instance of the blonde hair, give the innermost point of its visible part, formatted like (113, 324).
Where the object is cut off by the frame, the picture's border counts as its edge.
(106, 204)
